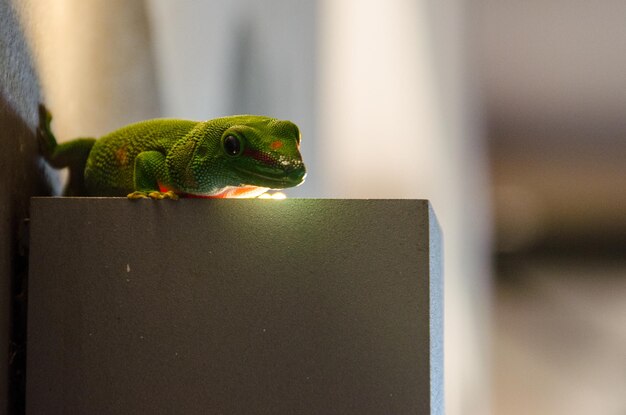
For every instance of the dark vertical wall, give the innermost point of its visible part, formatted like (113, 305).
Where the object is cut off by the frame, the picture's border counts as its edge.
(21, 176)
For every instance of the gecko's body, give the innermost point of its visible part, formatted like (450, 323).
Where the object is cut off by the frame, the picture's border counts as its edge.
(236, 156)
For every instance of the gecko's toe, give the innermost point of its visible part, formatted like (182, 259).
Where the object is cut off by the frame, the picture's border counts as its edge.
(170, 195)
(137, 195)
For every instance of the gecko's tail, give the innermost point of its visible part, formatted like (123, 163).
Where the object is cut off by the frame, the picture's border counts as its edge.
(72, 154)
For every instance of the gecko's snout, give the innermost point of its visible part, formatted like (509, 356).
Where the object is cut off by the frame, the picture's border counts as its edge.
(296, 173)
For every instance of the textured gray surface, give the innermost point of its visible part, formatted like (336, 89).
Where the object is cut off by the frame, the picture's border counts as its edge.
(234, 306)
(435, 252)
(20, 178)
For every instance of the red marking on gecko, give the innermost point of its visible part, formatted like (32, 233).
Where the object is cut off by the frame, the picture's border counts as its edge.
(264, 158)
(275, 145)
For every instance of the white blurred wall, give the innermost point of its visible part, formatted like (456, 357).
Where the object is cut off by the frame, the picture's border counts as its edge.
(95, 63)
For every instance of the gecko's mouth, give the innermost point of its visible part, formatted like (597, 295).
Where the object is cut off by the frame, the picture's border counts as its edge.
(275, 179)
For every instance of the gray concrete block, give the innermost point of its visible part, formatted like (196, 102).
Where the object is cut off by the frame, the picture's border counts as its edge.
(298, 306)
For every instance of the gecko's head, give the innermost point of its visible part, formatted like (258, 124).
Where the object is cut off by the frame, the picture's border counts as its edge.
(262, 151)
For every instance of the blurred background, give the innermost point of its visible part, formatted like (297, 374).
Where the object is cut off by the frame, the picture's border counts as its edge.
(554, 95)
(507, 115)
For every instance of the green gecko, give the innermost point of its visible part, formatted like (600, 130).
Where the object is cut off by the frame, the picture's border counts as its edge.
(235, 156)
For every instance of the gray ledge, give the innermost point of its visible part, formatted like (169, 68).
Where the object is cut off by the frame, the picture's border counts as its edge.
(298, 306)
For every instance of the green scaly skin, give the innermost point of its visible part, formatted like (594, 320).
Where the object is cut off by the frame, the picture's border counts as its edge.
(236, 156)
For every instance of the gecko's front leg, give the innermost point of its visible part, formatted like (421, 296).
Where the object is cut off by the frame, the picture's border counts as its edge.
(150, 169)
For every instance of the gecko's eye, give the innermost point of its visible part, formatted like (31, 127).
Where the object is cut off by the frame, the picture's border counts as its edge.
(232, 145)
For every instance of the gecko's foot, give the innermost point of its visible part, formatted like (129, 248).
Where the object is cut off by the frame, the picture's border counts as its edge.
(153, 195)
(44, 134)
(45, 117)
(163, 195)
